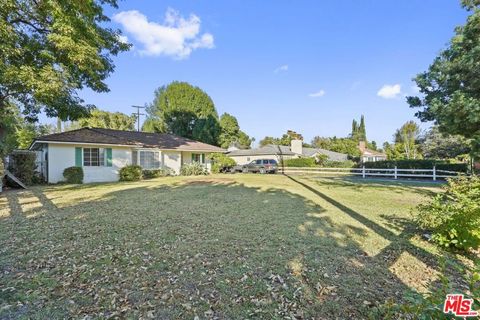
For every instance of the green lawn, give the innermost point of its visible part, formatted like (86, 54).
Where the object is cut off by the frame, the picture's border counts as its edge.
(225, 246)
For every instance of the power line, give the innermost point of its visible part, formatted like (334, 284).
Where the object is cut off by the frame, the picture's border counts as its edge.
(138, 115)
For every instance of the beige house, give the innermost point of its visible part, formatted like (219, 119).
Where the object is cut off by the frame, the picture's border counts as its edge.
(103, 152)
(277, 152)
(369, 155)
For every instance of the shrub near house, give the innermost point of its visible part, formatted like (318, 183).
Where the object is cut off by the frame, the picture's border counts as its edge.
(73, 175)
(131, 173)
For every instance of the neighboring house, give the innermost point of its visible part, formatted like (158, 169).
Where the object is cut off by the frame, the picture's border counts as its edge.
(369, 155)
(270, 151)
(103, 152)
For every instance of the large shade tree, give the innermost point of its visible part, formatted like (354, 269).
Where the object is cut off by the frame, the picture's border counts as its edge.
(450, 88)
(50, 50)
(343, 145)
(184, 110)
(104, 119)
(231, 133)
(437, 145)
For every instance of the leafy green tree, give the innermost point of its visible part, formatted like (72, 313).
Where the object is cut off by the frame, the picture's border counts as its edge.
(436, 145)
(285, 140)
(50, 50)
(10, 121)
(450, 88)
(207, 130)
(29, 131)
(408, 138)
(244, 140)
(231, 133)
(184, 110)
(342, 145)
(107, 120)
(268, 140)
(153, 125)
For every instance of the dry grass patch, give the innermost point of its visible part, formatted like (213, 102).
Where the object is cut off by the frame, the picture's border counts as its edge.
(224, 246)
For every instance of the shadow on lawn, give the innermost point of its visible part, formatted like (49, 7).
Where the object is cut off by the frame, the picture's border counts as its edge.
(212, 248)
(356, 183)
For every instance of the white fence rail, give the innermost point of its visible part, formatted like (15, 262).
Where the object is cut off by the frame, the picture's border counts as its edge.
(394, 173)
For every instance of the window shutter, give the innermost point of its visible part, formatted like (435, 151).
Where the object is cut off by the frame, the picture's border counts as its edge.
(109, 157)
(193, 157)
(203, 157)
(78, 156)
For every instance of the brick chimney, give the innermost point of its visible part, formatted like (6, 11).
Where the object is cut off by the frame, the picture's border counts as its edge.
(296, 146)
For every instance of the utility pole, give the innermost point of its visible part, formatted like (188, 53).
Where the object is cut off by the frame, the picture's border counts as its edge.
(138, 116)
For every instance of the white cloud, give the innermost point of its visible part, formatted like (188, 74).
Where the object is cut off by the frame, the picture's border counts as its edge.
(177, 37)
(317, 94)
(123, 38)
(282, 68)
(389, 91)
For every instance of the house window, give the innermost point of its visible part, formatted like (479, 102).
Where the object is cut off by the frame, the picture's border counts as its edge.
(93, 157)
(149, 159)
(198, 157)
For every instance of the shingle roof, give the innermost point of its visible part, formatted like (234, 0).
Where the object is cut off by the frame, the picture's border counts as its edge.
(133, 138)
(271, 149)
(332, 155)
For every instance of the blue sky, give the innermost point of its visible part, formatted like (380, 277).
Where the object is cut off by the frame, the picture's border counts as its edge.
(309, 66)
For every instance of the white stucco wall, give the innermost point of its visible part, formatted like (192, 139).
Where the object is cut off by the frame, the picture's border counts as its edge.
(241, 160)
(172, 160)
(61, 156)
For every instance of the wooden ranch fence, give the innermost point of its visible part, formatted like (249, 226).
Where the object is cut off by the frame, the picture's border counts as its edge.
(395, 173)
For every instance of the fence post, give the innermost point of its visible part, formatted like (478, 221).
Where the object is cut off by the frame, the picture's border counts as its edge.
(395, 173)
(434, 173)
(363, 172)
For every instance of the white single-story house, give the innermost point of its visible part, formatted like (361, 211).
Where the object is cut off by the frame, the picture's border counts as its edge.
(369, 155)
(277, 152)
(103, 152)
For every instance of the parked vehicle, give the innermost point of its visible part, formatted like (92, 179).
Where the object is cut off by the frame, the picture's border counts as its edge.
(260, 165)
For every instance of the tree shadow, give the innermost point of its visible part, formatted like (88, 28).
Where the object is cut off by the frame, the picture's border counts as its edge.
(206, 247)
(356, 183)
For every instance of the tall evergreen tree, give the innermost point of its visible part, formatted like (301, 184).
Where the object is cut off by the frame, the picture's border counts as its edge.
(362, 132)
(354, 133)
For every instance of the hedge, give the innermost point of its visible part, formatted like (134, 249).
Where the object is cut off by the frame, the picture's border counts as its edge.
(130, 173)
(310, 162)
(73, 175)
(416, 164)
(300, 162)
